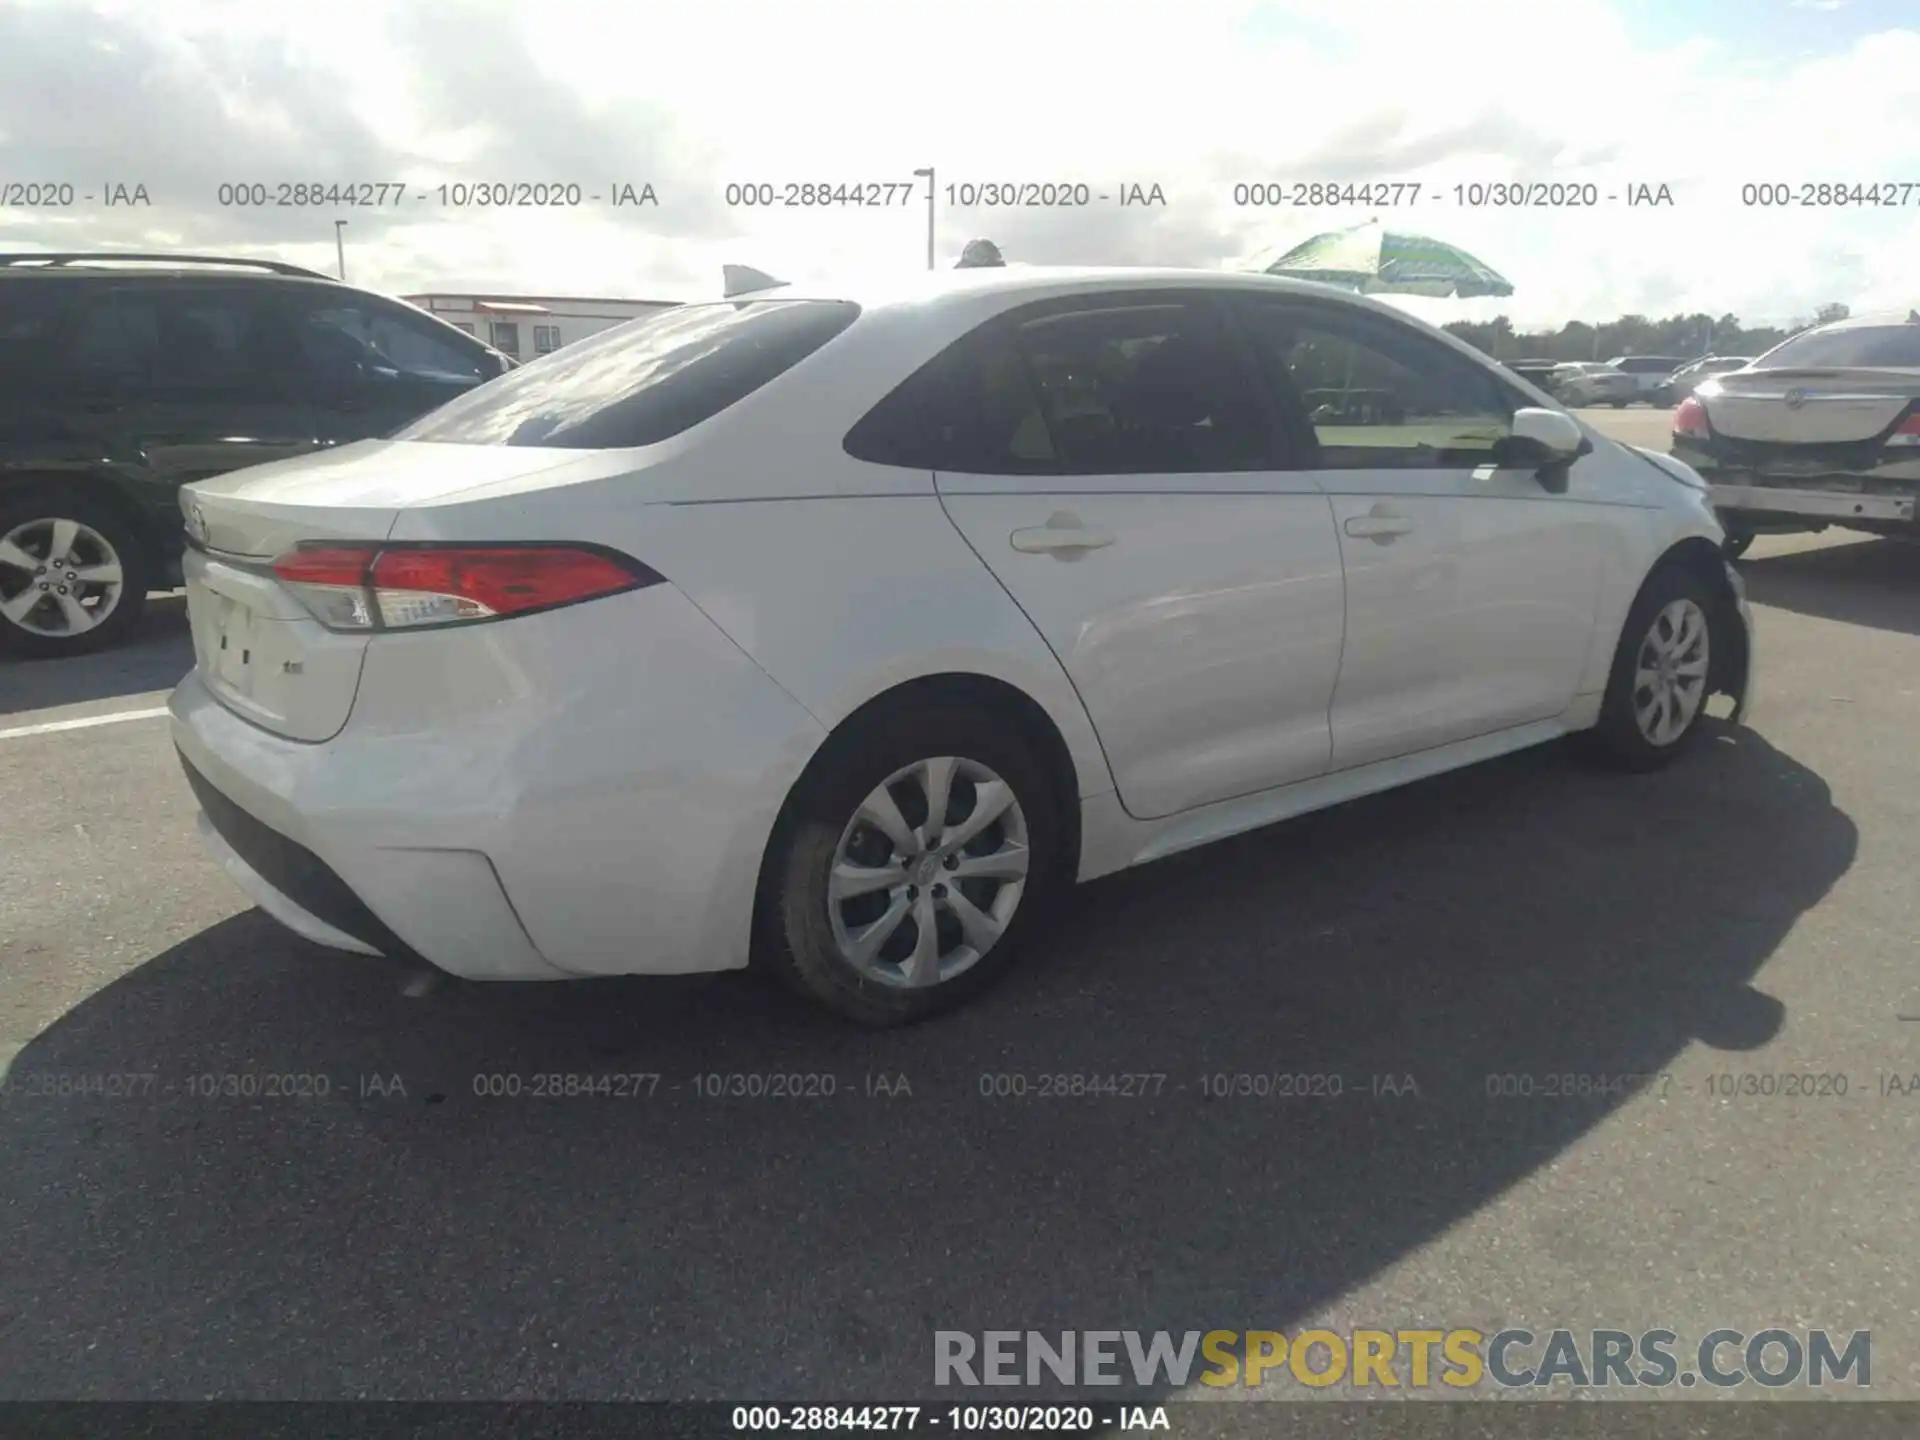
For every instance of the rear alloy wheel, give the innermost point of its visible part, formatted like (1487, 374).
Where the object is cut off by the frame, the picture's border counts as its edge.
(914, 858)
(1657, 693)
(73, 576)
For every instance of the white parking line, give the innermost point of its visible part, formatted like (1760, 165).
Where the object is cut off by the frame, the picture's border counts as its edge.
(86, 722)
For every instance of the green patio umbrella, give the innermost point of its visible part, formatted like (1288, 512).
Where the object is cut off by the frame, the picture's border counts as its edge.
(1377, 261)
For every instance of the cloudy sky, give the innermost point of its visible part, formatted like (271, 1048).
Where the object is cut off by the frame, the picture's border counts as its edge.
(1702, 96)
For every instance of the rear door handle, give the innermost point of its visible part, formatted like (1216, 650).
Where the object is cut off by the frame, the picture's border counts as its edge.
(1062, 535)
(1383, 525)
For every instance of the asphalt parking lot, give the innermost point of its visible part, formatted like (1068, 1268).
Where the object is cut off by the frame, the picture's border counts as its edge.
(1752, 912)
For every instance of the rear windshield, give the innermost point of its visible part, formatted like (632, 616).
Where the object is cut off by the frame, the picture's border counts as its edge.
(1868, 345)
(1646, 364)
(642, 382)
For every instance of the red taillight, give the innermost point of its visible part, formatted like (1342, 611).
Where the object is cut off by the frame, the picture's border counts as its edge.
(1907, 432)
(389, 587)
(326, 565)
(1691, 420)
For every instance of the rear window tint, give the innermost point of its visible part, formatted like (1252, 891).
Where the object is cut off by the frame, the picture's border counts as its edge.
(28, 319)
(1868, 345)
(642, 382)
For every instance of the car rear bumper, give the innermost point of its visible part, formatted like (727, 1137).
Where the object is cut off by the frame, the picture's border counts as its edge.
(1839, 505)
(276, 902)
(504, 804)
(445, 906)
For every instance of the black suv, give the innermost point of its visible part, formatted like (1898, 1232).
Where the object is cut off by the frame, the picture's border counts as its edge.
(122, 377)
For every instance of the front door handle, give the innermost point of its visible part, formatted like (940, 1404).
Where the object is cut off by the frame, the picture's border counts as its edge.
(1063, 535)
(1383, 525)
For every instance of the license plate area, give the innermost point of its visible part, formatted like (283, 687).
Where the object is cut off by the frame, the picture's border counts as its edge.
(263, 656)
(231, 639)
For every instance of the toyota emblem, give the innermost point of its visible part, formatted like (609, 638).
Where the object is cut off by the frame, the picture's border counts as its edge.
(196, 520)
(1796, 398)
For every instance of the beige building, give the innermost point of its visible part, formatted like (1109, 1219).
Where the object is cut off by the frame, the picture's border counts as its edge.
(525, 326)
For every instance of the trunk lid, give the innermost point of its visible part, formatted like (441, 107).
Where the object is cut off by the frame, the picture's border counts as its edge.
(262, 510)
(255, 646)
(1808, 406)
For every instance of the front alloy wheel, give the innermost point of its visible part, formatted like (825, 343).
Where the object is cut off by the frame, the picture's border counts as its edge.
(1663, 666)
(1670, 677)
(928, 873)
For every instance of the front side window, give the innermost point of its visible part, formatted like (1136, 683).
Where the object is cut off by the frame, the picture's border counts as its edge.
(1378, 395)
(642, 382)
(1114, 386)
(1855, 346)
(355, 339)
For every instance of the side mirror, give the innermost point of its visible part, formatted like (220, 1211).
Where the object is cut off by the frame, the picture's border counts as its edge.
(1558, 436)
(1546, 441)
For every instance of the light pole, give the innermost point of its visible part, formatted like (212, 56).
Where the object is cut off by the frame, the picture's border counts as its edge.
(340, 246)
(928, 172)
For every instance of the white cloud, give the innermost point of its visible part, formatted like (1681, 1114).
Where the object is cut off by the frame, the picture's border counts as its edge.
(1192, 97)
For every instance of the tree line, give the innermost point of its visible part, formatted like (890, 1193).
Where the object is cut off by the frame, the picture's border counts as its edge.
(1682, 336)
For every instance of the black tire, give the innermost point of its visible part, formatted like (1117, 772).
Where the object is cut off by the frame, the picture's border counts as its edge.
(1737, 543)
(128, 546)
(1617, 740)
(795, 939)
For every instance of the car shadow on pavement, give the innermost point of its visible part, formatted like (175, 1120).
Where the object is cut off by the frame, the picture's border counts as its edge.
(1870, 582)
(404, 1236)
(154, 656)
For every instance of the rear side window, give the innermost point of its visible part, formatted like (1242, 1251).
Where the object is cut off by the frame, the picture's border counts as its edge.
(221, 342)
(1108, 386)
(1859, 345)
(642, 382)
(116, 339)
(29, 319)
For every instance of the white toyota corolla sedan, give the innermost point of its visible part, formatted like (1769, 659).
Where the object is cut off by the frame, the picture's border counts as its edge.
(842, 630)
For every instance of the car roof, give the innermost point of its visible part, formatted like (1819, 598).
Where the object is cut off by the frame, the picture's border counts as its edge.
(165, 275)
(1879, 321)
(1039, 282)
(147, 262)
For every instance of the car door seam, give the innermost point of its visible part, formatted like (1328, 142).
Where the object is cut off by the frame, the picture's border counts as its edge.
(1340, 663)
(1105, 759)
